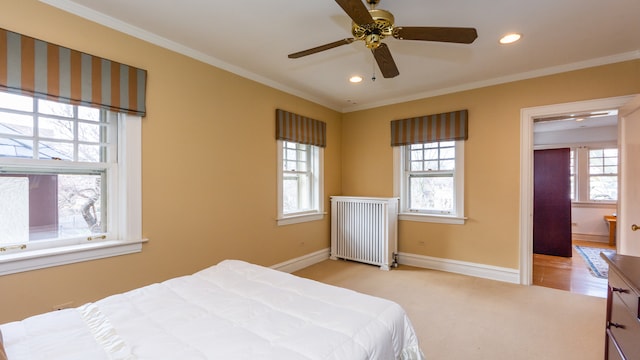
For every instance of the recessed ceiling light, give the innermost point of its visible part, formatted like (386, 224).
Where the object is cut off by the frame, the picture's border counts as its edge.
(355, 79)
(510, 38)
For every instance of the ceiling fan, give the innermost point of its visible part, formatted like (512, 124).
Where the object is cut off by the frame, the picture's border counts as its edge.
(374, 24)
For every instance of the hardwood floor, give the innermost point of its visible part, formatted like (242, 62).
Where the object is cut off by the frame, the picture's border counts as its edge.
(571, 274)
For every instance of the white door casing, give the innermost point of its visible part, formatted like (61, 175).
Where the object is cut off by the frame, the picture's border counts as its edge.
(526, 167)
(628, 242)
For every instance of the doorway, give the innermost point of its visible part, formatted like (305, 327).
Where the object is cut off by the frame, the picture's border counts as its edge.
(526, 171)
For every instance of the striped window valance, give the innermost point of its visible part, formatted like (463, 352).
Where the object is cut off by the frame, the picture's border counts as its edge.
(300, 129)
(430, 128)
(37, 68)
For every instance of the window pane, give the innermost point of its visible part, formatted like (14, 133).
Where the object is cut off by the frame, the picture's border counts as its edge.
(302, 155)
(448, 153)
(57, 205)
(87, 113)
(447, 143)
(417, 154)
(610, 153)
(595, 170)
(290, 194)
(595, 161)
(55, 108)
(55, 129)
(16, 102)
(572, 162)
(573, 187)
(290, 165)
(431, 154)
(296, 193)
(80, 205)
(55, 150)
(595, 153)
(603, 188)
(91, 153)
(447, 165)
(14, 212)
(416, 166)
(18, 148)
(89, 132)
(16, 124)
(431, 165)
(431, 193)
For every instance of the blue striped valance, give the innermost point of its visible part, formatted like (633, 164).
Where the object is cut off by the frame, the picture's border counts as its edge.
(41, 69)
(430, 128)
(300, 129)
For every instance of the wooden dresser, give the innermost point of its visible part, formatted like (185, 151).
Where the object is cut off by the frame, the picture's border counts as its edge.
(623, 308)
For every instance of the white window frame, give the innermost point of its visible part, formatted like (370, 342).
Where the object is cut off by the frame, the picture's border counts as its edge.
(603, 174)
(125, 216)
(573, 174)
(400, 185)
(582, 177)
(317, 187)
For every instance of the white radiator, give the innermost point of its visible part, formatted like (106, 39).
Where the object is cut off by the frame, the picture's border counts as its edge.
(364, 229)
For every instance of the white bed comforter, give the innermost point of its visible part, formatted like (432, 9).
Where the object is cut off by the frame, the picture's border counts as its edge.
(233, 310)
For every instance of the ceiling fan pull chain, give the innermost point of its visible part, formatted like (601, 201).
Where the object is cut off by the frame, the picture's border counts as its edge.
(373, 77)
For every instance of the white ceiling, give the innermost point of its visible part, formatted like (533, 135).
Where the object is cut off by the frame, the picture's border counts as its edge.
(253, 39)
(572, 123)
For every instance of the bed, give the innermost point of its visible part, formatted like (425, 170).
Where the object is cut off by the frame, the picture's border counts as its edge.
(232, 310)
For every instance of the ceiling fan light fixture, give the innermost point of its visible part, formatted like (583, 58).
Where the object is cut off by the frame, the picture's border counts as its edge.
(510, 38)
(355, 79)
(372, 25)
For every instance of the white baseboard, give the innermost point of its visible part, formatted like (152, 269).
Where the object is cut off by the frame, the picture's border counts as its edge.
(427, 262)
(302, 261)
(590, 237)
(461, 267)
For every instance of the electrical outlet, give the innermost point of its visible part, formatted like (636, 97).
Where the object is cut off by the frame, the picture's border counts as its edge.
(66, 305)
(421, 243)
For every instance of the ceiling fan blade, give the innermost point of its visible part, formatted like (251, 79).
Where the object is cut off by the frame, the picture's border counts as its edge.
(385, 61)
(443, 34)
(356, 10)
(320, 48)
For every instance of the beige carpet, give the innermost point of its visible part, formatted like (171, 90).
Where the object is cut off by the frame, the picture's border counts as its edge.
(462, 317)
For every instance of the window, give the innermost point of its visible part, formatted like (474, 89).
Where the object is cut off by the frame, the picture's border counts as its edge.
(594, 174)
(299, 182)
(430, 180)
(603, 174)
(572, 174)
(65, 172)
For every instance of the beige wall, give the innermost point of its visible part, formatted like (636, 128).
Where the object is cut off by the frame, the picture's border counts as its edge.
(492, 158)
(208, 173)
(209, 196)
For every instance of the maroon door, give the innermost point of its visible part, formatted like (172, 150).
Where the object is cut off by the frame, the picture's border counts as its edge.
(551, 202)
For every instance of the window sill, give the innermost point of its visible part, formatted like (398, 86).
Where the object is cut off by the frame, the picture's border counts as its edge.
(594, 204)
(296, 219)
(431, 218)
(39, 259)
